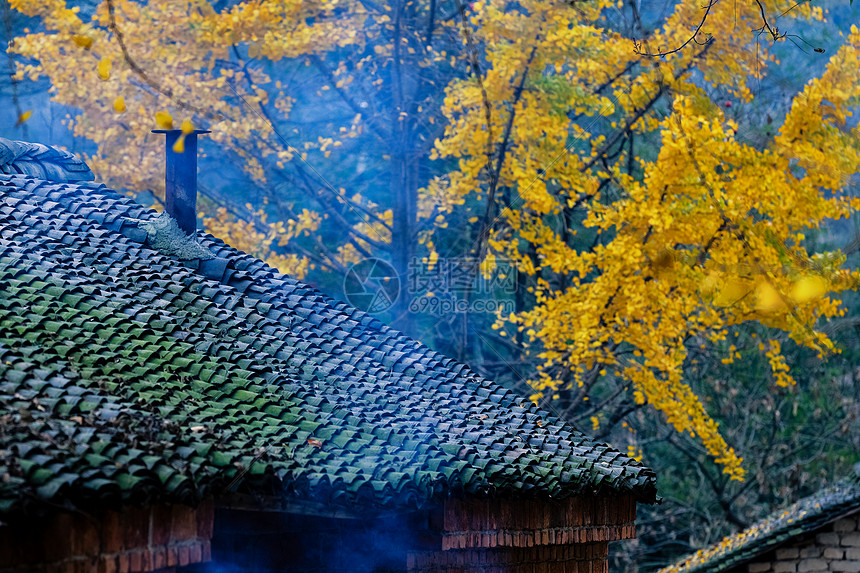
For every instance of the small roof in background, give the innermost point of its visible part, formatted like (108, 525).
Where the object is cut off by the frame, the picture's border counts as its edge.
(129, 374)
(805, 516)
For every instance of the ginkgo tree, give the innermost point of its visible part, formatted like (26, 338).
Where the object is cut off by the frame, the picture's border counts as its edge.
(240, 72)
(595, 155)
(681, 247)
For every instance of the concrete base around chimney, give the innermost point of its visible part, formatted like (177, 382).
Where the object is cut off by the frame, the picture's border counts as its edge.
(165, 236)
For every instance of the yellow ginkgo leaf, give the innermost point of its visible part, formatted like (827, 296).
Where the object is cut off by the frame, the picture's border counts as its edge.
(731, 292)
(24, 117)
(84, 42)
(104, 69)
(767, 298)
(187, 127)
(164, 120)
(488, 264)
(664, 260)
(434, 258)
(809, 288)
(179, 146)
(119, 104)
(709, 284)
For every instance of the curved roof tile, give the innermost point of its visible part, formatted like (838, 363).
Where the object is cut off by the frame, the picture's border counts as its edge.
(41, 161)
(804, 516)
(127, 374)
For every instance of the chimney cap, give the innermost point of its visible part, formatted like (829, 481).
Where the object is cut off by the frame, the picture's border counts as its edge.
(195, 132)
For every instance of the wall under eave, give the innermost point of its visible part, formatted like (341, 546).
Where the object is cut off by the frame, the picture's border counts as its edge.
(528, 536)
(134, 539)
(571, 558)
(465, 535)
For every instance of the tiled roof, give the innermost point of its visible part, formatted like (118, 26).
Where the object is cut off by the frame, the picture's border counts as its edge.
(127, 374)
(807, 515)
(42, 161)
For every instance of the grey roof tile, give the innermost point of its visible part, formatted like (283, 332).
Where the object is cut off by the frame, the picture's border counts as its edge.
(133, 375)
(807, 515)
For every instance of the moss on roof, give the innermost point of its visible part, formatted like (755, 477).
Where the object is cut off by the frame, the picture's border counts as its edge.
(807, 515)
(127, 375)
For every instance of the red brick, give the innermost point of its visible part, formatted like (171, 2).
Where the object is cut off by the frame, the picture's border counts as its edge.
(122, 563)
(85, 538)
(159, 557)
(172, 557)
(112, 538)
(184, 555)
(184, 523)
(135, 560)
(205, 519)
(162, 517)
(135, 524)
(107, 564)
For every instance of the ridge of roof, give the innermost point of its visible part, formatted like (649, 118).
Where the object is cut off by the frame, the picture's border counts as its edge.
(806, 515)
(42, 161)
(127, 374)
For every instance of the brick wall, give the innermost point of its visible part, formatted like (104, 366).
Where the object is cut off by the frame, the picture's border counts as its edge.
(833, 549)
(481, 523)
(528, 536)
(570, 558)
(136, 539)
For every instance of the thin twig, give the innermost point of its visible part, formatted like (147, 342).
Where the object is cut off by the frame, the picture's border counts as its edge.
(479, 76)
(637, 46)
(496, 172)
(137, 69)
